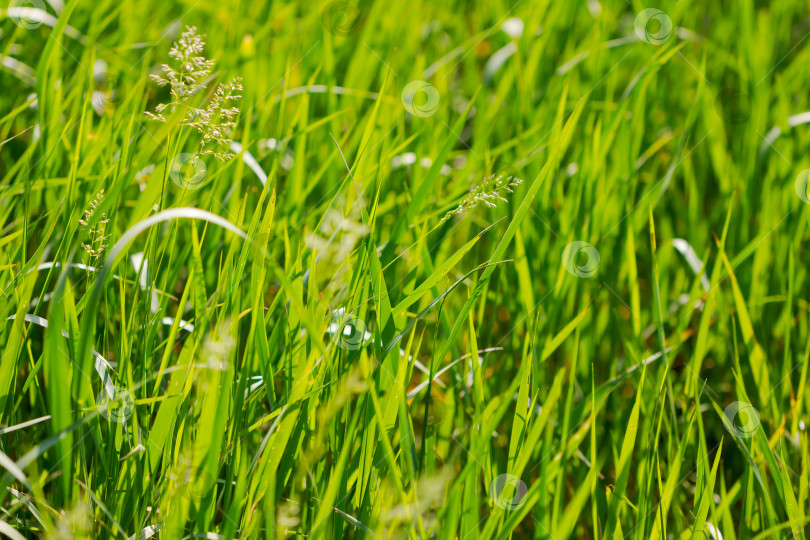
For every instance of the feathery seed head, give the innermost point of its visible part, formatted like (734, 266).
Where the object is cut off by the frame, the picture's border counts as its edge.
(489, 192)
(213, 122)
(95, 248)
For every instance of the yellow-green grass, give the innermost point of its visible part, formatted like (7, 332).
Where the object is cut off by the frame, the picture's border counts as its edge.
(350, 329)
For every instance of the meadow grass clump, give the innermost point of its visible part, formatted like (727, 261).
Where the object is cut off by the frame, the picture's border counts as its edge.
(292, 300)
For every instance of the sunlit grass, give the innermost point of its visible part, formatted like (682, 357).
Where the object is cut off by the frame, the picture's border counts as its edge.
(473, 270)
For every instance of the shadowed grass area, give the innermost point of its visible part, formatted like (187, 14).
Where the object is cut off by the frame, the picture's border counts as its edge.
(470, 270)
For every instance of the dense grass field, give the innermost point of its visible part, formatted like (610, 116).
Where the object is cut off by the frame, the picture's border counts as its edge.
(426, 269)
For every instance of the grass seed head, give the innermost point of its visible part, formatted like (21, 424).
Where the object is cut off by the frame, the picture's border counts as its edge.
(215, 121)
(97, 244)
(490, 192)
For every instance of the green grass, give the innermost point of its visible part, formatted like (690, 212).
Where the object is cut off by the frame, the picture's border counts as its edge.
(307, 344)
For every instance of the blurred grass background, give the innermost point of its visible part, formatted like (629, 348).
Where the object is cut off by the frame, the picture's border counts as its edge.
(363, 363)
